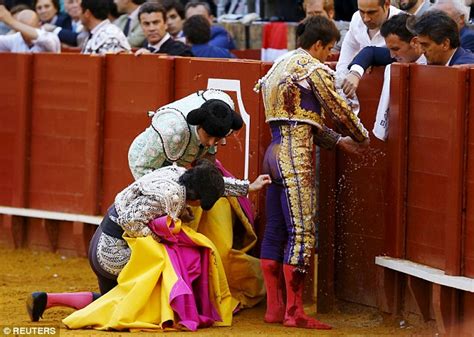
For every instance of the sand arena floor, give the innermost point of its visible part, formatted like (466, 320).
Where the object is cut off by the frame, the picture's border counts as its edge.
(24, 271)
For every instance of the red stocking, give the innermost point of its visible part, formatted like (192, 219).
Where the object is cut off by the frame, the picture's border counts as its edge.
(272, 274)
(294, 315)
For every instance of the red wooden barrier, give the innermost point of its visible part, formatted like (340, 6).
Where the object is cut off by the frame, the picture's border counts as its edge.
(134, 86)
(435, 150)
(15, 88)
(360, 206)
(67, 98)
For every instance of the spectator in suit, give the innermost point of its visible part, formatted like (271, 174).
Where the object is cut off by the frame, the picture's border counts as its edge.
(128, 22)
(219, 36)
(364, 29)
(174, 19)
(198, 33)
(72, 32)
(326, 8)
(29, 38)
(439, 39)
(414, 7)
(460, 15)
(104, 36)
(152, 17)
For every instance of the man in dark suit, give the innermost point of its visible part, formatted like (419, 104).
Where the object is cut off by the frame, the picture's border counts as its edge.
(152, 17)
(458, 13)
(439, 39)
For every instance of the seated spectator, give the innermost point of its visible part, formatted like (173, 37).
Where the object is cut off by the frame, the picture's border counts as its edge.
(459, 13)
(174, 19)
(128, 22)
(104, 37)
(414, 7)
(152, 17)
(28, 37)
(72, 32)
(219, 36)
(326, 8)
(438, 36)
(198, 33)
(364, 29)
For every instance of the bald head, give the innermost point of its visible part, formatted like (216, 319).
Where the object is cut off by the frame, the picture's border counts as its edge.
(454, 9)
(28, 17)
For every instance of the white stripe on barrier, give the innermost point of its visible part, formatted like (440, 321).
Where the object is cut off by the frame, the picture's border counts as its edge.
(426, 273)
(40, 214)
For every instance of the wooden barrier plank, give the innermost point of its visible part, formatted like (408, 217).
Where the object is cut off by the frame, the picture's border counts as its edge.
(361, 197)
(67, 103)
(134, 86)
(14, 127)
(435, 150)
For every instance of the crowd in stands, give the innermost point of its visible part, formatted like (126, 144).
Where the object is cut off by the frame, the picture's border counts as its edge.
(191, 28)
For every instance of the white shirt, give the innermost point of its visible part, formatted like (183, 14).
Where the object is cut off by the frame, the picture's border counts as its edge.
(357, 38)
(106, 38)
(46, 42)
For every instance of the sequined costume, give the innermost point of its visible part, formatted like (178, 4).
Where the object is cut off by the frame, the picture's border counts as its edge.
(299, 97)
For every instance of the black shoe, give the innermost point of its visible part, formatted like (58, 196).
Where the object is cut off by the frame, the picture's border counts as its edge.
(36, 305)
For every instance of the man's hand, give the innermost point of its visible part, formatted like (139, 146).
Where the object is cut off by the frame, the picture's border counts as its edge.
(350, 83)
(262, 180)
(187, 214)
(142, 51)
(5, 15)
(349, 145)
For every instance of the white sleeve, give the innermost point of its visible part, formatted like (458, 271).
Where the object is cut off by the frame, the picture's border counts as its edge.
(349, 49)
(48, 41)
(381, 119)
(7, 42)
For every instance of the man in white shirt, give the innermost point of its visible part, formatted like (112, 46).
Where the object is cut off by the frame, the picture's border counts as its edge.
(364, 29)
(29, 38)
(104, 37)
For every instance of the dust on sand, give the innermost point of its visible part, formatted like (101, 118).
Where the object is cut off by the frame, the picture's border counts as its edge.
(24, 271)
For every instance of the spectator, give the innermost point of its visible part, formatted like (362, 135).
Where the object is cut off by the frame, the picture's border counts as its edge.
(72, 32)
(402, 47)
(48, 12)
(128, 22)
(364, 29)
(174, 19)
(459, 13)
(438, 36)
(414, 7)
(198, 33)
(219, 36)
(152, 17)
(210, 3)
(104, 36)
(326, 8)
(28, 38)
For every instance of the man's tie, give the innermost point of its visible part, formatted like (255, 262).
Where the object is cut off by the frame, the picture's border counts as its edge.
(152, 49)
(126, 29)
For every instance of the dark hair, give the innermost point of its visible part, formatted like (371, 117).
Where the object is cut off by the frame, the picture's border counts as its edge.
(151, 7)
(98, 8)
(397, 25)
(436, 25)
(216, 117)
(193, 4)
(197, 29)
(203, 182)
(54, 2)
(174, 4)
(314, 29)
(138, 2)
